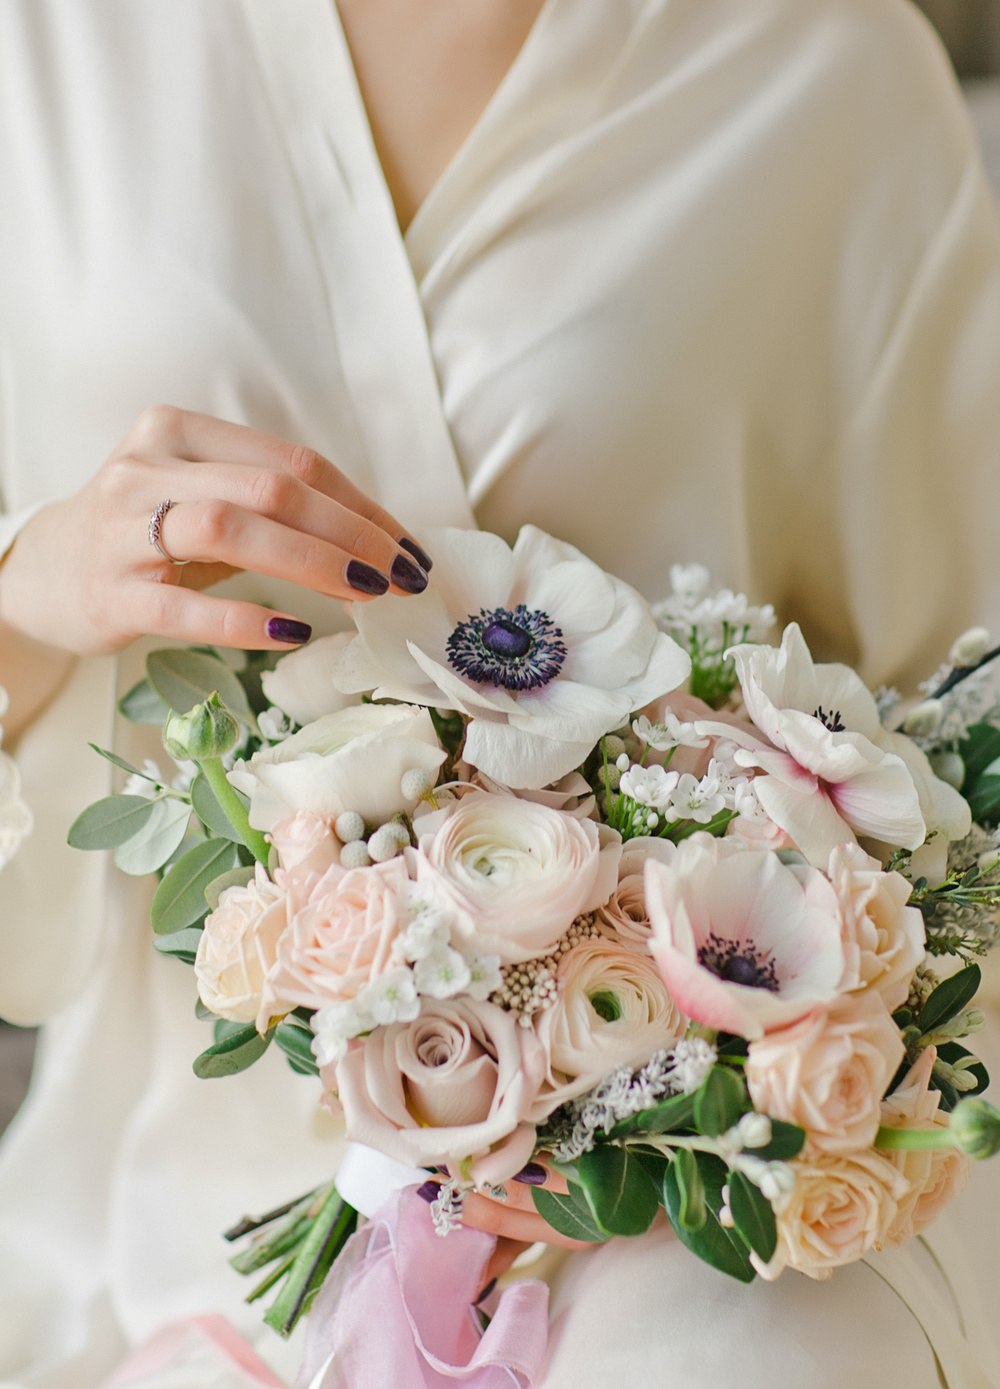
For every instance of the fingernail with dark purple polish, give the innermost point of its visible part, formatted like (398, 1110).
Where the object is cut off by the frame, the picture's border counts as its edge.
(486, 1291)
(421, 556)
(365, 578)
(430, 1191)
(287, 629)
(532, 1175)
(407, 575)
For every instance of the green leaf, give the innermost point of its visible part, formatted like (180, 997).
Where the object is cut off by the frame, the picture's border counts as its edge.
(619, 1190)
(692, 1212)
(711, 1243)
(236, 877)
(150, 849)
(666, 1117)
(110, 822)
(786, 1142)
(202, 1013)
(950, 998)
(978, 749)
(565, 1215)
(183, 945)
(240, 1049)
(296, 1043)
(719, 1102)
(143, 705)
(752, 1215)
(119, 762)
(953, 1052)
(210, 812)
(179, 900)
(984, 799)
(184, 678)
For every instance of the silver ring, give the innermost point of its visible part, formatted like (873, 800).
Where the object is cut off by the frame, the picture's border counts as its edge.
(153, 533)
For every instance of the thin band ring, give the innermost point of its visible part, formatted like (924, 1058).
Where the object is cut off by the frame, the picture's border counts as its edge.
(153, 533)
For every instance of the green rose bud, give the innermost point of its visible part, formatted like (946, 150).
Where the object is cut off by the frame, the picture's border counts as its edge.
(975, 1128)
(206, 731)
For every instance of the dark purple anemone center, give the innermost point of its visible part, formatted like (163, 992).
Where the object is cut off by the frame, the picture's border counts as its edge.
(738, 962)
(514, 649)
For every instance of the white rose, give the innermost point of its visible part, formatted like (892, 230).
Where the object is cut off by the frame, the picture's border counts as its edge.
(237, 949)
(302, 682)
(350, 760)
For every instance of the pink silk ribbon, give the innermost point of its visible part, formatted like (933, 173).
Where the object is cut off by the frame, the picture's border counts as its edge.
(204, 1338)
(397, 1309)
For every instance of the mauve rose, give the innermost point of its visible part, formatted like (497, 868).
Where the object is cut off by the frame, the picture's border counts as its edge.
(455, 1084)
(839, 1209)
(625, 910)
(828, 1072)
(522, 872)
(237, 950)
(340, 933)
(305, 843)
(613, 1009)
(883, 938)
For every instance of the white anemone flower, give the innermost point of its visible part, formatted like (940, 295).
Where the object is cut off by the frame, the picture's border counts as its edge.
(542, 650)
(830, 771)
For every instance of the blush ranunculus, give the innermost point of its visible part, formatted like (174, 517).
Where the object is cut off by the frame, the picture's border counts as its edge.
(613, 1009)
(521, 873)
(883, 938)
(828, 1072)
(455, 1084)
(745, 943)
(237, 951)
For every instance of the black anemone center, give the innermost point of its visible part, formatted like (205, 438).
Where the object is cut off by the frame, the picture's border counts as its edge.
(516, 649)
(829, 720)
(738, 962)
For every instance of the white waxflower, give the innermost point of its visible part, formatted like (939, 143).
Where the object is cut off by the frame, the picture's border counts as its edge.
(714, 619)
(147, 785)
(650, 786)
(428, 933)
(485, 976)
(745, 802)
(275, 724)
(697, 800)
(390, 997)
(669, 733)
(334, 1027)
(442, 973)
(541, 650)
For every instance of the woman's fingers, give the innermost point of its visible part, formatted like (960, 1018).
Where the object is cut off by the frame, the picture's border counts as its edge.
(167, 610)
(500, 1218)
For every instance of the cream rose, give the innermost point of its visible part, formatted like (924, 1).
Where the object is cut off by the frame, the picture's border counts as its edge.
(305, 844)
(301, 683)
(350, 760)
(828, 1072)
(340, 933)
(237, 950)
(453, 1085)
(521, 872)
(613, 1009)
(883, 938)
(839, 1209)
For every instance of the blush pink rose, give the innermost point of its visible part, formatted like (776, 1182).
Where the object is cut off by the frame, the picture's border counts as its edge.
(341, 927)
(305, 842)
(828, 1072)
(237, 950)
(883, 938)
(455, 1084)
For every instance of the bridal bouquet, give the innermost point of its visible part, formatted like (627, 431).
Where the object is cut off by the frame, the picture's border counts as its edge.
(549, 887)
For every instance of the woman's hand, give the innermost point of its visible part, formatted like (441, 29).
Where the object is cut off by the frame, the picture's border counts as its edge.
(516, 1222)
(82, 576)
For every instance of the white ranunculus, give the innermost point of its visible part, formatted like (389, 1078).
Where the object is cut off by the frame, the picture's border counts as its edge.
(350, 760)
(520, 872)
(541, 649)
(827, 773)
(301, 683)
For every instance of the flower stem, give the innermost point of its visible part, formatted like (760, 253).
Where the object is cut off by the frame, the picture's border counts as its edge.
(234, 809)
(937, 1137)
(331, 1230)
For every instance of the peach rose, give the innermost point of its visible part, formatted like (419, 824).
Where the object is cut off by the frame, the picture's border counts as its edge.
(625, 910)
(305, 843)
(839, 1209)
(340, 933)
(613, 1009)
(828, 1072)
(237, 950)
(883, 937)
(936, 1176)
(455, 1084)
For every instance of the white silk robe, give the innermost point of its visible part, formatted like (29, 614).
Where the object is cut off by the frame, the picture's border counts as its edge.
(710, 279)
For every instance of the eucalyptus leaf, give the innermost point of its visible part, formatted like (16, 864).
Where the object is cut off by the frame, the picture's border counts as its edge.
(753, 1217)
(179, 900)
(692, 1211)
(184, 678)
(225, 1028)
(202, 1013)
(109, 822)
(620, 1192)
(786, 1142)
(120, 762)
(210, 812)
(950, 998)
(566, 1216)
(236, 877)
(183, 945)
(719, 1102)
(144, 706)
(150, 849)
(296, 1043)
(235, 1053)
(711, 1243)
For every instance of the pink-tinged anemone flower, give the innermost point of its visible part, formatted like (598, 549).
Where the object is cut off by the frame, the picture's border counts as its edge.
(745, 943)
(827, 775)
